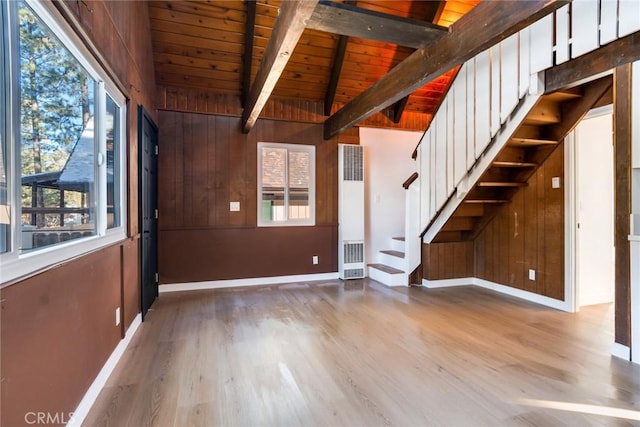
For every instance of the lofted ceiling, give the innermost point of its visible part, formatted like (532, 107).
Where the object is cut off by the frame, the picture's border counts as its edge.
(201, 44)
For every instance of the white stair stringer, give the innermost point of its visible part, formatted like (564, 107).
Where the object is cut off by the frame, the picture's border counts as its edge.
(482, 163)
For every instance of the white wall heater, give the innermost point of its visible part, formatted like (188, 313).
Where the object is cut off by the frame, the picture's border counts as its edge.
(351, 263)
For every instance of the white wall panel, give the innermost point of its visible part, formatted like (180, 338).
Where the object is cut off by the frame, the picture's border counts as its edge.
(441, 157)
(432, 172)
(541, 44)
(562, 34)
(425, 181)
(483, 102)
(584, 27)
(495, 89)
(524, 62)
(451, 184)
(629, 17)
(471, 115)
(508, 76)
(460, 124)
(608, 21)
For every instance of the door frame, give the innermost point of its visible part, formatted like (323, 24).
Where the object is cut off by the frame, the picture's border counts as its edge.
(572, 290)
(143, 116)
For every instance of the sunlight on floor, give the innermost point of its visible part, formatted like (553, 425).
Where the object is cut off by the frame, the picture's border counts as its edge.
(582, 408)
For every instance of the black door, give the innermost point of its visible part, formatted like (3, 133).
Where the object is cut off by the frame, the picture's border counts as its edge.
(148, 161)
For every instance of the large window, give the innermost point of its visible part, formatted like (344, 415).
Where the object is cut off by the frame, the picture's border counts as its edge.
(61, 150)
(286, 184)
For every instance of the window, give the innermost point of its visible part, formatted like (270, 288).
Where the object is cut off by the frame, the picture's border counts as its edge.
(286, 184)
(61, 149)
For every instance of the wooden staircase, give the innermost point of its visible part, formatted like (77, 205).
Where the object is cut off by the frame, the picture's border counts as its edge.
(545, 126)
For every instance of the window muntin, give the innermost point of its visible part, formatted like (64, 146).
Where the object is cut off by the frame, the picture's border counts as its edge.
(62, 151)
(286, 184)
(5, 211)
(112, 126)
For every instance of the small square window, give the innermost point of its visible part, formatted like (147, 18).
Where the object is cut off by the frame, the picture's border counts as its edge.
(286, 184)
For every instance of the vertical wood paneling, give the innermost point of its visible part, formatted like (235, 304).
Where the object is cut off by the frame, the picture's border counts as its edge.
(495, 90)
(553, 228)
(506, 250)
(451, 149)
(562, 34)
(622, 152)
(199, 170)
(211, 171)
(223, 171)
(167, 169)
(608, 21)
(432, 173)
(629, 17)
(471, 96)
(188, 155)
(437, 260)
(584, 27)
(441, 157)
(460, 132)
(542, 44)
(238, 173)
(524, 62)
(509, 76)
(517, 237)
(179, 175)
(483, 102)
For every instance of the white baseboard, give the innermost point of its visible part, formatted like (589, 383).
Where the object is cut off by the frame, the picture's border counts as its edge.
(96, 387)
(220, 284)
(447, 283)
(507, 290)
(621, 351)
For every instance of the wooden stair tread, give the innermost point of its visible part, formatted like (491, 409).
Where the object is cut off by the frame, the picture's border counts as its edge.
(387, 269)
(485, 201)
(393, 253)
(528, 142)
(501, 184)
(514, 165)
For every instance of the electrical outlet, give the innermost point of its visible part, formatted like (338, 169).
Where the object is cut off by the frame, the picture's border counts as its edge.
(234, 206)
(315, 259)
(532, 274)
(555, 182)
(117, 316)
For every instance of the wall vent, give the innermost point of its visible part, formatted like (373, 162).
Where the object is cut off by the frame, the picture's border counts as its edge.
(351, 262)
(353, 163)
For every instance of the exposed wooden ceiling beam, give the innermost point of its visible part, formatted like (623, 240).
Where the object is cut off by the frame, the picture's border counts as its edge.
(398, 109)
(484, 26)
(292, 20)
(247, 57)
(433, 11)
(596, 63)
(336, 68)
(348, 20)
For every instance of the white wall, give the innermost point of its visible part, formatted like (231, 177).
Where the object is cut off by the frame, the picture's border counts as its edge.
(388, 164)
(595, 208)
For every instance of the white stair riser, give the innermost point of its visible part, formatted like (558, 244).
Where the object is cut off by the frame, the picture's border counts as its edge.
(388, 279)
(392, 261)
(397, 245)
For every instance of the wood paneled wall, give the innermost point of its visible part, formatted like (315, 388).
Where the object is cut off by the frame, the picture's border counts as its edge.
(57, 327)
(452, 260)
(528, 233)
(202, 101)
(206, 162)
(622, 154)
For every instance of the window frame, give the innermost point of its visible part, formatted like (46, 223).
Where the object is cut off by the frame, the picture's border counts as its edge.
(311, 149)
(14, 263)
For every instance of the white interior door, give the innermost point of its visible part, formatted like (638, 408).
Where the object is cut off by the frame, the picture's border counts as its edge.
(595, 267)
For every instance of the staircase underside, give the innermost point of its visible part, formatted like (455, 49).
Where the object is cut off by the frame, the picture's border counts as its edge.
(552, 118)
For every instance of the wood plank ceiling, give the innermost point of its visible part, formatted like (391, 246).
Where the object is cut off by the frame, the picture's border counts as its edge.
(201, 45)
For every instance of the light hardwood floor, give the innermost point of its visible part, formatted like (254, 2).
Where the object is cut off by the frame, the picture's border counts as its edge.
(360, 354)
